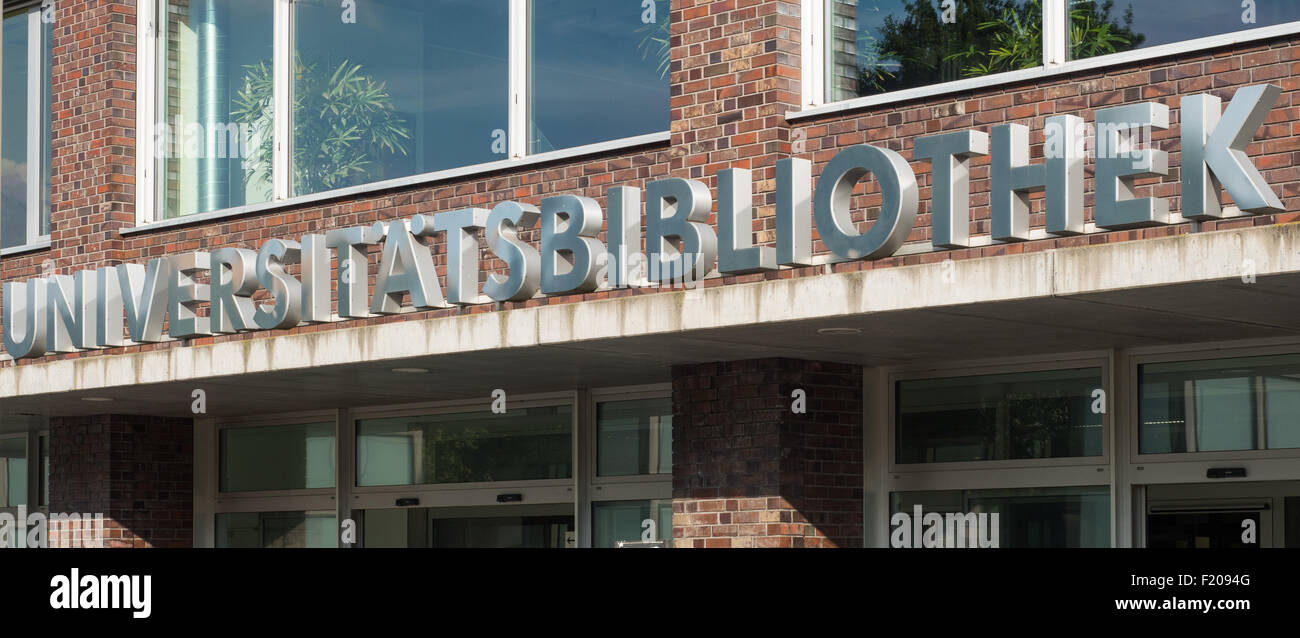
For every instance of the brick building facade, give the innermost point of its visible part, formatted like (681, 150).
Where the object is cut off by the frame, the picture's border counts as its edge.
(125, 437)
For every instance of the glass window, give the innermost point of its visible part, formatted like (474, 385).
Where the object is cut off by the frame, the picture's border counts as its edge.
(614, 521)
(1029, 517)
(277, 530)
(875, 46)
(1023, 415)
(24, 169)
(1099, 27)
(13, 471)
(281, 457)
(1216, 405)
(471, 447)
(590, 59)
(397, 88)
(634, 437)
(213, 135)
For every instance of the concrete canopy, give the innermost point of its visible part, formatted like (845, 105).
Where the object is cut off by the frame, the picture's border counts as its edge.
(1181, 289)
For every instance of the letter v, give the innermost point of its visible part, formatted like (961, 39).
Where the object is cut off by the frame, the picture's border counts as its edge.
(144, 298)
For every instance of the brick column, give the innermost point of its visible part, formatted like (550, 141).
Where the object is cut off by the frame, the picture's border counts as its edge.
(735, 75)
(92, 181)
(135, 470)
(748, 471)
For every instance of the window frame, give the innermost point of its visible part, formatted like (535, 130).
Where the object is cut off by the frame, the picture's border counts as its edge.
(1100, 363)
(38, 132)
(535, 491)
(308, 499)
(1055, 60)
(883, 476)
(1284, 458)
(148, 216)
(634, 487)
(37, 500)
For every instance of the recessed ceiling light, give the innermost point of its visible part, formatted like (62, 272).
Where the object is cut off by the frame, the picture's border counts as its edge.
(411, 370)
(97, 399)
(839, 331)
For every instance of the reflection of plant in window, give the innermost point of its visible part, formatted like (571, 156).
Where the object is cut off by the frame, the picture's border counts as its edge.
(989, 36)
(344, 122)
(657, 44)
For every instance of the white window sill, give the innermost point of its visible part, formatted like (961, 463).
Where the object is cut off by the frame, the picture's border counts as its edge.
(40, 244)
(413, 180)
(1074, 66)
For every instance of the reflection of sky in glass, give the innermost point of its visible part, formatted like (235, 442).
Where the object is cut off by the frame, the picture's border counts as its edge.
(1165, 21)
(198, 179)
(595, 72)
(13, 147)
(445, 66)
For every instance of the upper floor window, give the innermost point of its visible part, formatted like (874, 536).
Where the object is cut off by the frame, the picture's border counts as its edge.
(25, 130)
(260, 100)
(878, 46)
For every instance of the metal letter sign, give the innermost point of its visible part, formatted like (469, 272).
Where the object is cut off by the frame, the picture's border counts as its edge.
(94, 308)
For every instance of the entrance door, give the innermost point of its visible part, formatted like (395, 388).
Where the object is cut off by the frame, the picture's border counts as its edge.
(531, 526)
(1241, 515)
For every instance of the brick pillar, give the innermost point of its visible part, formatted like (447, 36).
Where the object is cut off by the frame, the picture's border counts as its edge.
(92, 180)
(137, 471)
(750, 472)
(735, 75)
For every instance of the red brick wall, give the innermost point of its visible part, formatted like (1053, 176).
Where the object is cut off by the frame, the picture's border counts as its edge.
(735, 74)
(1219, 72)
(136, 471)
(749, 472)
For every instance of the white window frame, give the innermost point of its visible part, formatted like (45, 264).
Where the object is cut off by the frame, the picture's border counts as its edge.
(148, 217)
(209, 500)
(636, 487)
(35, 462)
(883, 476)
(1055, 60)
(37, 131)
(1281, 464)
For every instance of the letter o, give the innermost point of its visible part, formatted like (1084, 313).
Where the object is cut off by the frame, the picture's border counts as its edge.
(831, 205)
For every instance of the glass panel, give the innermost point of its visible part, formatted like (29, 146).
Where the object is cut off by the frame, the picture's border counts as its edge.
(875, 46)
(1199, 530)
(634, 437)
(397, 87)
(1030, 517)
(276, 529)
(13, 137)
(1099, 27)
(214, 131)
(614, 521)
(1218, 405)
(1025, 415)
(591, 58)
(471, 447)
(13, 472)
(281, 457)
(534, 527)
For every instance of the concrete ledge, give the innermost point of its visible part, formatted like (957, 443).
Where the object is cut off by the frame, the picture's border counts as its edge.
(1064, 272)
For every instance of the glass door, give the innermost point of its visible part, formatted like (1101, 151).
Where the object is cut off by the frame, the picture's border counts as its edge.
(507, 526)
(1220, 516)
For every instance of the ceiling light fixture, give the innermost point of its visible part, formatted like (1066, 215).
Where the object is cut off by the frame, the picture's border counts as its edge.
(411, 370)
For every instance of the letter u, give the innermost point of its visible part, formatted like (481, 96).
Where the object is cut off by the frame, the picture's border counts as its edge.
(28, 301)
